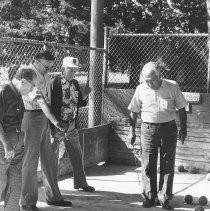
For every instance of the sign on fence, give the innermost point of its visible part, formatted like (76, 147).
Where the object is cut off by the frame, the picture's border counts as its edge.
(192, 97)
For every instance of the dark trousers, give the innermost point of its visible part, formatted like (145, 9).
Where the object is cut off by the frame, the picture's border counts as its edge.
(163, 136)
(73, 148)
(10, 172)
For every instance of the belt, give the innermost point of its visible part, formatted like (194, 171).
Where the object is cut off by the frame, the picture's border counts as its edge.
(66, 121)
(160, 124)
(37, 110)
(12, 130)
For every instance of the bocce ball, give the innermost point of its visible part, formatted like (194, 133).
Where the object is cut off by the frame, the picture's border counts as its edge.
(203, 200)
(188, 199)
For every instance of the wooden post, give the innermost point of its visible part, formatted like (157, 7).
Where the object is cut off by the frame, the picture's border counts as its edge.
(96, 66)
(105, 63)
(208, 23)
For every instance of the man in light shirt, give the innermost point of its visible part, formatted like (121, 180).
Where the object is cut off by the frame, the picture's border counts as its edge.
(37, 140)
(156, 100)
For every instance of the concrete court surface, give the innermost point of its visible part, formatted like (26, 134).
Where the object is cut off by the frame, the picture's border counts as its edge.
(118, 189)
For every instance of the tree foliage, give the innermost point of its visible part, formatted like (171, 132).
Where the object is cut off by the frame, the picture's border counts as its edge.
(51, 20)
(157, 16)
(68, 21)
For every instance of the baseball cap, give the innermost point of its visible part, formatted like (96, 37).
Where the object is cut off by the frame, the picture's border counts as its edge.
(71, 62)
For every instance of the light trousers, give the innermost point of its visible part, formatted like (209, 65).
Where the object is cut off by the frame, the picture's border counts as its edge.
(37, 144)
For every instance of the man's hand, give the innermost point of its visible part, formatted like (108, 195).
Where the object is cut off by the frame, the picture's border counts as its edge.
(9, 151)
(132, 137)
(182, 136)
(59, 126)
(85, 91)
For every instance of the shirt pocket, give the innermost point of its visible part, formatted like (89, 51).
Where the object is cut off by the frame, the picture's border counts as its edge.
(167, 104)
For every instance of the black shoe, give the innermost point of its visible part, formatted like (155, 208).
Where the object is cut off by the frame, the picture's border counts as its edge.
(88, 189)
(147, 203)
(30, 207)
(166, 205)
(157, 202)
(60, 203)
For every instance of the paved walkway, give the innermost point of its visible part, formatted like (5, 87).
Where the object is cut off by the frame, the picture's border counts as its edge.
(118, 188)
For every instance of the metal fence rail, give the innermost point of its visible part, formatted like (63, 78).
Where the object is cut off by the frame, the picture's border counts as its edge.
(185, 58)
(14, 52)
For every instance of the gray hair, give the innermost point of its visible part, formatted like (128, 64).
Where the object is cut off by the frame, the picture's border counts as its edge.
(25, 72)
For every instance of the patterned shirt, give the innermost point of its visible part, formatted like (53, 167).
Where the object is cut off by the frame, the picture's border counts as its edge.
(160, 105)
(70, 97)
(43, 85)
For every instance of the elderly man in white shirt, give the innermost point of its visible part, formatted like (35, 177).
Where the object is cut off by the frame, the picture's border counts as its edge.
(156, 100)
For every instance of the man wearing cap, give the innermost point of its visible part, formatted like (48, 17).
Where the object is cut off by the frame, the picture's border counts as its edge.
(66, 98)
(156, 100)
(37, 141)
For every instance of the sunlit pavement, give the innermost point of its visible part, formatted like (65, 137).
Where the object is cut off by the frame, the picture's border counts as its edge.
(118, 188)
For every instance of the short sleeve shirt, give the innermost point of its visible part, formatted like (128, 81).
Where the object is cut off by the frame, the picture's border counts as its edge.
(160, 105)
(70, 99)
(42, 86)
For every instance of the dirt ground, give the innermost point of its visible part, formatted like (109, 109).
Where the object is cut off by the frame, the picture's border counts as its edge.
(118, 188)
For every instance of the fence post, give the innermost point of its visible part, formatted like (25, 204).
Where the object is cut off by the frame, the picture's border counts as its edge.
(96, 63)
(208, 74)
(208, 24)
(105, 63)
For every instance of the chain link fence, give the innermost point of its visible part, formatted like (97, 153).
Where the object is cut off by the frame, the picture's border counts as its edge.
(15, 52)
(185, 59)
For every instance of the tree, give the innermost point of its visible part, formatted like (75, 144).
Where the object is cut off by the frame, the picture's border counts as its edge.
(52, 20)
(68, 21)
(157, 16)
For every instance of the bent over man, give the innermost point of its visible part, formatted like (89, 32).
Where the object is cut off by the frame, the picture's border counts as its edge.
(11, 137)
(156, 100)
(37, 140)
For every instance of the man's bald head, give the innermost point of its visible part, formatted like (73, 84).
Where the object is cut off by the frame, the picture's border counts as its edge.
(151, 75)
(150, 68)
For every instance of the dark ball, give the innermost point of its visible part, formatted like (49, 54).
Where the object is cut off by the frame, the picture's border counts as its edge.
(188, 199)
(199, 208)
(181, 168)
(203, 200)
(193, 170)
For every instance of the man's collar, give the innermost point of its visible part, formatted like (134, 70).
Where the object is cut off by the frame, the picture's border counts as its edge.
(14, 90)
(163, 83)
(36, 69)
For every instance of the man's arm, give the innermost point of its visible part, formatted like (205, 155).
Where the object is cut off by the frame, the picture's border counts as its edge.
(48, 112)
(8, 148)
(85, 92)
(183, 124)
(132, 133)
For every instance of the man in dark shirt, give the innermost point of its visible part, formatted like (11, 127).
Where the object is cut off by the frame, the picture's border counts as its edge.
(11, 137)
(66, 97)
